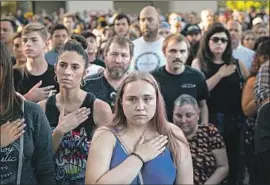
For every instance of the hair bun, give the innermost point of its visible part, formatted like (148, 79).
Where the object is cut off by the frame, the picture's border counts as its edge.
(80, 39)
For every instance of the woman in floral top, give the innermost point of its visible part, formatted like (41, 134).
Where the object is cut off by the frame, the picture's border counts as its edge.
(208, 150)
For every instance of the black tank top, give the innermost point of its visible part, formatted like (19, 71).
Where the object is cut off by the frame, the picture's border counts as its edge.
(225, 97)
(53, 114)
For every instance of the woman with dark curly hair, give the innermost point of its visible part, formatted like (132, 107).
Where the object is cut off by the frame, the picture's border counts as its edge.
(248, 101)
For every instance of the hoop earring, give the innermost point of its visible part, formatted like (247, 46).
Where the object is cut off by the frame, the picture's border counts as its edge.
(83, 83)
(55, 78)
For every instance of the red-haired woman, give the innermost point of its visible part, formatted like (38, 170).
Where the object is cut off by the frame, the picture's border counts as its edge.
(141, 147)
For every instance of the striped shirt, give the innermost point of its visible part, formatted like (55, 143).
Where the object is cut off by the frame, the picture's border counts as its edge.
(262, 84)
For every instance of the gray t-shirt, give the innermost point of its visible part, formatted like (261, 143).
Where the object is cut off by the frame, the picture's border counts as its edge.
(36, 152)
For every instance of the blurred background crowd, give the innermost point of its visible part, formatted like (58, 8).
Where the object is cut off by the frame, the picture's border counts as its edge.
(252, 15)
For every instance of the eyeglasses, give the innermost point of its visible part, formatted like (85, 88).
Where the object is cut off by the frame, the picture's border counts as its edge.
(217, 39)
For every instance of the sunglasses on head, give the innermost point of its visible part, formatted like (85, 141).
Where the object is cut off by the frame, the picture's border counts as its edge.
(217, 39)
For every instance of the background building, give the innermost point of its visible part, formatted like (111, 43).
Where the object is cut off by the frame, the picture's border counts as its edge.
(132, 7)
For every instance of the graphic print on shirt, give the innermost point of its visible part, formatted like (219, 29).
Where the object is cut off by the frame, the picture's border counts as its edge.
(9, 156)
(147, 62)
(71, 156)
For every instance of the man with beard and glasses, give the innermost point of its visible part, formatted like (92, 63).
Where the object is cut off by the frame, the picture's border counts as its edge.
(118, 53)
(175, 78)
(148, 54)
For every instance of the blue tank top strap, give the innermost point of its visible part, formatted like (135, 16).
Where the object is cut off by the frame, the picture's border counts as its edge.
(160, 170)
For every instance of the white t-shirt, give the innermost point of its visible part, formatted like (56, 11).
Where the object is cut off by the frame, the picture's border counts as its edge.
(148, 56)
(93, 69)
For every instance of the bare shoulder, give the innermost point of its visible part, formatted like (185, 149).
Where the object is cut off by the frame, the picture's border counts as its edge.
(102, 113)
(196, 64)
(101, 104)
(178, 133)
(104, 135)
(42, 104)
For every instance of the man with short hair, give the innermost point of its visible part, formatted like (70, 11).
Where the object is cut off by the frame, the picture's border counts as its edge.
(207, 19)
(69, 22)
(118, 53)
(36, 80)
(8, 31)
(121, 25)
(239, 51)
(59, 35)
(148, 54)
(95, 65)
(175, 78)
(20, 58)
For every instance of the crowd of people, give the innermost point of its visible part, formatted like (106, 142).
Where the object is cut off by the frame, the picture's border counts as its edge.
(113, 98)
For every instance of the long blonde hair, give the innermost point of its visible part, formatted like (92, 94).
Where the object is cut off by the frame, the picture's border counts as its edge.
(159, 120)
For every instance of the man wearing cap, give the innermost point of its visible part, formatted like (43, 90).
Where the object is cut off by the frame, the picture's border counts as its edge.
(164, 29)
(193, 34)
(260, 30)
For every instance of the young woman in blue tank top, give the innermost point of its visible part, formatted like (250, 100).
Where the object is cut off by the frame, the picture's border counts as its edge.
(141, 146)
(73, 114)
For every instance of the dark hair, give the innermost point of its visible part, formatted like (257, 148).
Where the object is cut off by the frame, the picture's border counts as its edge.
(17, 35)
(262, 50)
(58, 27)
(77, 44)
(48, 18)
(246, 33)
(88, 34)
(258, 42)
(122, 16)
(205, 55)
(10, 101)
(13, 24)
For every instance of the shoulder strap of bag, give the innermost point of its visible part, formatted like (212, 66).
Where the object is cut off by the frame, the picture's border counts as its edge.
(242, 82)
(19, 173)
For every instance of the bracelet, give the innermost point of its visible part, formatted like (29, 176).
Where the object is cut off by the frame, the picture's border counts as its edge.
(139, 157)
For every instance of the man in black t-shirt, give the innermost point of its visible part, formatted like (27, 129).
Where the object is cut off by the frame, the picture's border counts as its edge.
(35, 80)
(175, 78)
(118, 53)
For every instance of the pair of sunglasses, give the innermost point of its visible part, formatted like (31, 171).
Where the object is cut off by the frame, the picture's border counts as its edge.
(217, 39)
